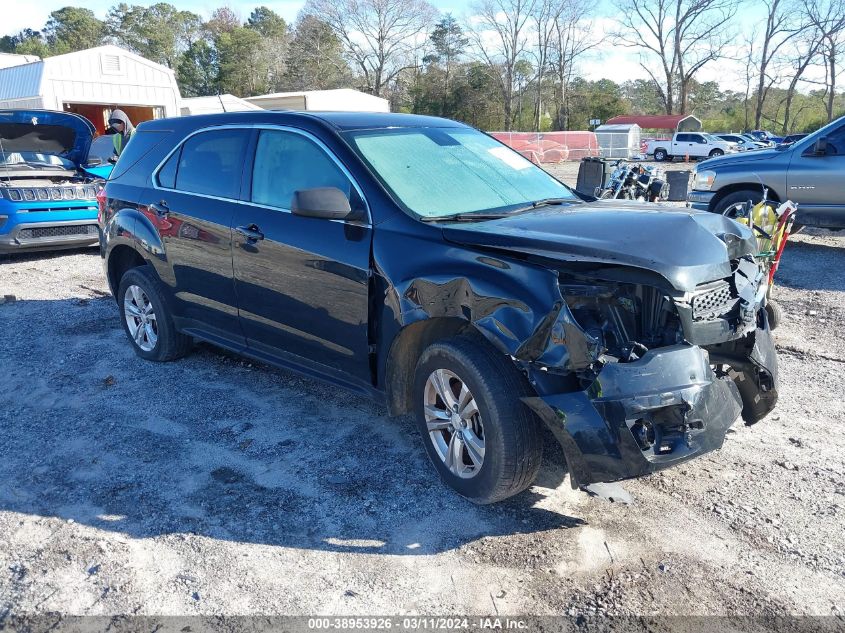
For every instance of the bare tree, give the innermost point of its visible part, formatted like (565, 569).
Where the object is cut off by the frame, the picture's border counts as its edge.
(573, 36)
(544, 18)
(380, 37)
(683, 36)
(806, 52)
(782, 25)
(499, 33)
(828, 18)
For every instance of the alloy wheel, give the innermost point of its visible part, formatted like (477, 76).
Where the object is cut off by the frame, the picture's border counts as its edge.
(454, 423)
(140, 318)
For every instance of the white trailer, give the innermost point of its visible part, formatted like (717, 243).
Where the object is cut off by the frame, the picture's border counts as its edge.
(339, 100)
(91, 82)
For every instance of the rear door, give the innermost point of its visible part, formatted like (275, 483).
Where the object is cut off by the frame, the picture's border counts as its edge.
(681, 145)
(302, 283)
(815, 182)
(193, 201)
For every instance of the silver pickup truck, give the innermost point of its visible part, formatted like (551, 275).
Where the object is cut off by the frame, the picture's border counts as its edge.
(810, 172)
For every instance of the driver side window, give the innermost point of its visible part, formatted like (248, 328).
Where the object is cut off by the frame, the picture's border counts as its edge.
(286, 162)
(836, 142)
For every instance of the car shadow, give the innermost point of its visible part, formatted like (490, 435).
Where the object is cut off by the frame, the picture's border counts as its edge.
(219, 446)
(812, 266)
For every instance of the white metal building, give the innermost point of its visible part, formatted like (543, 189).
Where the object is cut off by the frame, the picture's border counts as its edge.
(341, 99)
(215, 104)
(620, 140)
(10, 59)
(91, 83)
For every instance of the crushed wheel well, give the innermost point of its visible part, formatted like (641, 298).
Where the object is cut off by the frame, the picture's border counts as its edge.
(406, 350)
(121, 259)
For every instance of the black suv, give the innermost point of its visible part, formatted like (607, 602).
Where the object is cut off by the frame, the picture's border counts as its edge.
(420, 261)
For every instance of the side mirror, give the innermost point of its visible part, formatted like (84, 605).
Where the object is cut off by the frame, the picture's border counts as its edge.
(820, 147)
(329, 203)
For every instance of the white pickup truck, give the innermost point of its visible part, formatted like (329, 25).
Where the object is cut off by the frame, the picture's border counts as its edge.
(689, 144)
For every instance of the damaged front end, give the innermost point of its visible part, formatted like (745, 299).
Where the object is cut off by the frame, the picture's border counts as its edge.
(632, 378)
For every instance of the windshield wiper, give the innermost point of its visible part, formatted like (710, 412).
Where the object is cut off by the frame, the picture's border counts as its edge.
(545, 202)
(471, 216)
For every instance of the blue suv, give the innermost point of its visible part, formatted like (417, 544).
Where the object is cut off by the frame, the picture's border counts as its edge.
(48, 191)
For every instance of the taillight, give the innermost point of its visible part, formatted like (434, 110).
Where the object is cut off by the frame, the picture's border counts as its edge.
(101, 205)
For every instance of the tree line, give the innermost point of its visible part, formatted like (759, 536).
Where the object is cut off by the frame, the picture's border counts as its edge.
(511, 65)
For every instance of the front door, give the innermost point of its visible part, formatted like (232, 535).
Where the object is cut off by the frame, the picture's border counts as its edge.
(815, 181)
(302, 283)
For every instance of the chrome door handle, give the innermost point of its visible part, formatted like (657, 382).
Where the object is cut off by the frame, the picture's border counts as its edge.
(252, 233)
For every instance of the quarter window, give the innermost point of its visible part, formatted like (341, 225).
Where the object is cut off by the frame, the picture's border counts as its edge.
(211, 163)
(286, 162)
(167, 174)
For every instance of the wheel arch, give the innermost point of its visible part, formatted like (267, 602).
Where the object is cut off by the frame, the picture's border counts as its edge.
(727, 190)
(121, 258)
(408, 346)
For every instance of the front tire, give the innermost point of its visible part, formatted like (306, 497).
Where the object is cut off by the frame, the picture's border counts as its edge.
(715, 153)
(482, 440)
(147, 318)
(735, 200)
(774, 312)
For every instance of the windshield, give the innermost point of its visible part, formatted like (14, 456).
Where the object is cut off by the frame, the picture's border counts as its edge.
(437, 172)
(712, 138)
(34, 158)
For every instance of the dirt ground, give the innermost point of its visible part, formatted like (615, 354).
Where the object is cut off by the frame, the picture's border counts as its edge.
(212, 485)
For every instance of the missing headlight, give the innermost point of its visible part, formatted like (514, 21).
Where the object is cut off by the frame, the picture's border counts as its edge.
(626, 319)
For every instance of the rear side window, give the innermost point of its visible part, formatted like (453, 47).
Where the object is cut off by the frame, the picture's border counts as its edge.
(286, 162)
(211, 163)
(138, 146)
(683, 138)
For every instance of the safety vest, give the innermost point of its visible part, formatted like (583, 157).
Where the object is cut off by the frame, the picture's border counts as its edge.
(117, 142)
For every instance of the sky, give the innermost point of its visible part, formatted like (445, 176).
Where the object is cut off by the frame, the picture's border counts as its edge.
(608, 61)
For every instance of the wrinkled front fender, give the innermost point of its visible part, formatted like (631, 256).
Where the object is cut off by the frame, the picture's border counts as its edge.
(640, 417)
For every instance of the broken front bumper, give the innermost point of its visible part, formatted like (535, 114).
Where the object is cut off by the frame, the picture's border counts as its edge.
(643, 416)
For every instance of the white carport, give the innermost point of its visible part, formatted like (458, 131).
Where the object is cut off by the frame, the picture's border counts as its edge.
(215, 104)
(92, 82)
(339, 100)
(620, 140)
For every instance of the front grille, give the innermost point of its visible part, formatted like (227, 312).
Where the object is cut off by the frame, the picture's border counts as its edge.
(57, 231)
(43, 194)
(713, 300)
(58, 209)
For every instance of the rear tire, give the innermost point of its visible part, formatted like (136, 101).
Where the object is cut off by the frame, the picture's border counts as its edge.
(510, 434)
(147, 319)
(660, 155)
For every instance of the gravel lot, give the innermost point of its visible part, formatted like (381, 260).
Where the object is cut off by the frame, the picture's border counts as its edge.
(216, 486)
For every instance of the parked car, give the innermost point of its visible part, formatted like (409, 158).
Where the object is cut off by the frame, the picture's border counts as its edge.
(765, 135)
(689, 144)
(47, 190)
(789, 140)
(425, 264)
(809, 172)
(742, 143)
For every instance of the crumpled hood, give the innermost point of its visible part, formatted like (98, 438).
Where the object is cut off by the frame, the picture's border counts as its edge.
(685, 247)
(46, 132)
